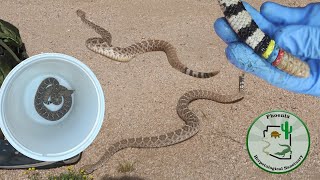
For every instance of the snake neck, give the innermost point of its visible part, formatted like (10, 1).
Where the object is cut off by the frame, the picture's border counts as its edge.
(98, 29)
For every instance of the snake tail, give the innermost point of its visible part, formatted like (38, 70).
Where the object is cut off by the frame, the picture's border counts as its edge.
(249, 32)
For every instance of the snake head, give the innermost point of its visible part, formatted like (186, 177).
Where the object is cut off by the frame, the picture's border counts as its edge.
(66, 92)
(81, 13)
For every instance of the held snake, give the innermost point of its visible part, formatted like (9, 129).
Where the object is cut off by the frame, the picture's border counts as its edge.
(249, 32)
(190, 128)
(50, 91)
(103, 46)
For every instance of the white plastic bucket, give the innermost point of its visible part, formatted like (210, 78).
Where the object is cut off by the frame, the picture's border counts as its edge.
(37, 137)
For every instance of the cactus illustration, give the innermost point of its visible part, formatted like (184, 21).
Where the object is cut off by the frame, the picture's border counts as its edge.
(286, 129)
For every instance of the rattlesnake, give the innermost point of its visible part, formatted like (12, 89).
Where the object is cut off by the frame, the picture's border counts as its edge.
(249, 32)
(50, 91)
(190, 128)
(103, 46)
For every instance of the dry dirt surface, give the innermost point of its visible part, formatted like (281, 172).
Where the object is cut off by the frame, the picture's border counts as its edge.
(141, 95)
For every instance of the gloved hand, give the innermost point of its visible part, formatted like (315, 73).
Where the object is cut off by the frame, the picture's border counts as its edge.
(296, 30)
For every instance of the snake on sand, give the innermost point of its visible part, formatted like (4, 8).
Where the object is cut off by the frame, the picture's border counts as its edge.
(103, 46)
(190, 128)
(50, 91)
(248, 31)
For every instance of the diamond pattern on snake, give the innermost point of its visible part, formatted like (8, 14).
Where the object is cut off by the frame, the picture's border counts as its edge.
(103, 46)
(51, 92)
(191, 127)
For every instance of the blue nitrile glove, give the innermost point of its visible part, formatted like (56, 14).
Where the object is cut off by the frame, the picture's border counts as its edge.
(296, 30)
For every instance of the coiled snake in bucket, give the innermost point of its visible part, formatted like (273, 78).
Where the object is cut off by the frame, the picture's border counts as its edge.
(249, 32)
(50, 91)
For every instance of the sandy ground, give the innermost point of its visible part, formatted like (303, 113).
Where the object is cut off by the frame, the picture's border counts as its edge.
(141, 95)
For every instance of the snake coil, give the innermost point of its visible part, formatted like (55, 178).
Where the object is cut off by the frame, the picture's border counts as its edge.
(50, 91)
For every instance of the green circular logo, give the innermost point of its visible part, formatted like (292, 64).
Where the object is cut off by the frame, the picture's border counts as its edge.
(278, 142)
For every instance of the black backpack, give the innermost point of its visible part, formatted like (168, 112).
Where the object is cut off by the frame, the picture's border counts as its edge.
(12, 49)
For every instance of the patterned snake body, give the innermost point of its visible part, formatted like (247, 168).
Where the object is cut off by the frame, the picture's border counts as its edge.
(103, 46)
(50, 91)
(249, 32)
(190, 128)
